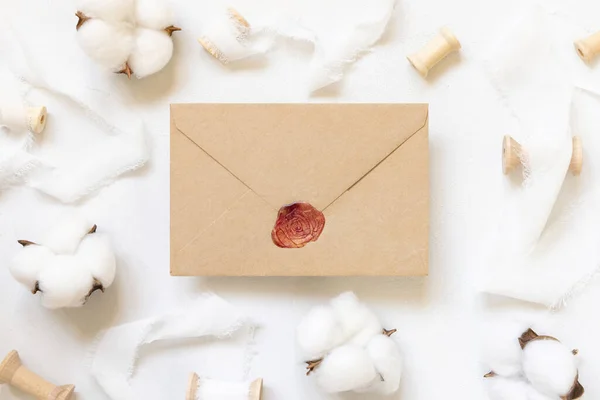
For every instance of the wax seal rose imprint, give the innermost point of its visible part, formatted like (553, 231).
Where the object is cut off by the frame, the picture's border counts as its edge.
(297, 224)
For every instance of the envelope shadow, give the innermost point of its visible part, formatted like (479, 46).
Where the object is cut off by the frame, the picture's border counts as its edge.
(411, 291)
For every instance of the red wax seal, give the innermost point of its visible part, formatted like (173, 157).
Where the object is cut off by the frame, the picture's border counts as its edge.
(296, 225)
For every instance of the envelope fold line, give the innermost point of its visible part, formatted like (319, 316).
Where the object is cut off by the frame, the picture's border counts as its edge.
(219, 163)
(203, 231)
(380, 162)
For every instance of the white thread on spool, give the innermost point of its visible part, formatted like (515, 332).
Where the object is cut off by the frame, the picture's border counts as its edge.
(226, 38)
(13, 372)
(434, 51)
(588, 48)
(514, 155)
(17, 118)
(212, 389)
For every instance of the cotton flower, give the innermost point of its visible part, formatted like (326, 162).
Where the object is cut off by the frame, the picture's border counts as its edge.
(346, 347)
(545, 369)
(127, 36)
(72, 262)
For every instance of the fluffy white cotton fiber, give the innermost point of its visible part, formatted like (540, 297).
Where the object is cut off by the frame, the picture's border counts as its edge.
(387, 360)
(154, 14)
(64, 282)
(108, 10)
(96, 254)
(130, 33)
(28, 263)
(152, 50)
(68, 266)
(550, 367)
(346, 342)
(108, 44)
(346, 368)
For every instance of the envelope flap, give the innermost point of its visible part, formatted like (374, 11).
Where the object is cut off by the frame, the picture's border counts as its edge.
(299, 152)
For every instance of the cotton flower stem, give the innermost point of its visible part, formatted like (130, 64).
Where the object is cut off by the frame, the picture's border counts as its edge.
(25, 243)
(390, 332)
(82, 19)
(36, 288)
(490, 374)
(97, 286)
(171, 29)
(126, 70)
(312, 365)
(93, 230)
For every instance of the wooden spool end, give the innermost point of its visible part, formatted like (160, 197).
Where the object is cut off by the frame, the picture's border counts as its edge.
(511, 154)
(256, 389)
(36, 119)
(577, 157)
(444, 43)
(9, 366)
(588, 48)
(192, 388)
(12, 372)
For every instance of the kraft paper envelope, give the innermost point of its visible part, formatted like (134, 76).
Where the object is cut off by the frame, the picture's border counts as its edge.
(364, 166)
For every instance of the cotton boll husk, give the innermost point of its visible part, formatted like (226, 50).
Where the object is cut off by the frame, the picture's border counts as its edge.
(357, 322)
(95, 253)
(109, 45)
(346, 368)
(110, 10)
(152, 50)
(27, 264)
(65, 237)
(64, 283)
(318, 332)
(386, 358)
(154, 14)
(549, 366)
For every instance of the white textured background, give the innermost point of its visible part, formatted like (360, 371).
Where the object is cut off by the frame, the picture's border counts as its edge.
(437, 317)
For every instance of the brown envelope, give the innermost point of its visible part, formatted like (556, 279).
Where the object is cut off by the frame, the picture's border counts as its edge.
(365, 166)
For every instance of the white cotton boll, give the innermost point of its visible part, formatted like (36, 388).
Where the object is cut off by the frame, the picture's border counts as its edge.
(549, 366)
(110, 10)
(109, 45)
(386, 358)
(96, 254)
(318, 332)
(65, 283)
(346, 368)
(27, 264)
(152, 50)
(154, 14)
(65, 237)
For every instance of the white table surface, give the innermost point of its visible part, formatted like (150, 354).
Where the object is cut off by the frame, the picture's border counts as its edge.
(437, 317)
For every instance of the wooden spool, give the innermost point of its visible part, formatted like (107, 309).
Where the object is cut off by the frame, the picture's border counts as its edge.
(512, 155)
(255, 392)
(434, 51)
(13, 372)
(241, 27)
(589, 47)
(36, 119)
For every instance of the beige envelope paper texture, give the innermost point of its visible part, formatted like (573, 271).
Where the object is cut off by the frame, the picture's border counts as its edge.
(364, 166)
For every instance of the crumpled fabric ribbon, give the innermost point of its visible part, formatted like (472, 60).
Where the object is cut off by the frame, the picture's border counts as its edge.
(67, 172)
(546, 247)
(117, 349)
(340, 31)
